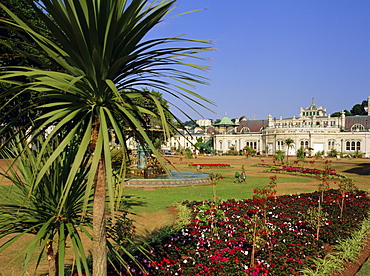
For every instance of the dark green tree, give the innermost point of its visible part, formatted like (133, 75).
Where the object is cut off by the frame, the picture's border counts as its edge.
(339, 113)
(17, 49)
(359, 109)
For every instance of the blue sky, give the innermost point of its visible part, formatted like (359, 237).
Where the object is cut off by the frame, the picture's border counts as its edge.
(273, 56)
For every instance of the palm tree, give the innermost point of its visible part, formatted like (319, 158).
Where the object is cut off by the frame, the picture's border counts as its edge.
(289, 144)
(105, 58)
(46, 211)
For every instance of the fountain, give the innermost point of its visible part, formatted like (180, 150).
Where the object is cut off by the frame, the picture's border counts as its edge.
(147, 172)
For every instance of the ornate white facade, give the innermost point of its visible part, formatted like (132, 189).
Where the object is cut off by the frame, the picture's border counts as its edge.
(313, 130)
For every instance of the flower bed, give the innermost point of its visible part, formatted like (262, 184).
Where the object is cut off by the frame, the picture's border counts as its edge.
(210, 165)
(272, 236)
(305, 171)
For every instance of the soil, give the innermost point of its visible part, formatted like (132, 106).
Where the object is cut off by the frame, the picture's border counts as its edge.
(351, 268)
(148, 222)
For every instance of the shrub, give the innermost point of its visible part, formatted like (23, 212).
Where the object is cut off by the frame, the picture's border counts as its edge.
(279, 156)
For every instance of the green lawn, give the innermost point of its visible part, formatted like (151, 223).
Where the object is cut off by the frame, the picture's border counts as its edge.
(143, 200)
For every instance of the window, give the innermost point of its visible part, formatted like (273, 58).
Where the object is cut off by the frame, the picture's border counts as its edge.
(348, 145)
(331, 144)
(353, 145)
(357, 127)
(358, 146)
(245, 130)
(220, 145)
(304, 144)
(280, 145)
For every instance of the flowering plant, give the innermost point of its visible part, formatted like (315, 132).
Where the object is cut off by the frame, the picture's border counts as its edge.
(247, 243)
(305, 171)
(209, 165)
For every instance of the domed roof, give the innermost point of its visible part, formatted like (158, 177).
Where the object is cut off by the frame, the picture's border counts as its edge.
(225, 121)
(313, 106)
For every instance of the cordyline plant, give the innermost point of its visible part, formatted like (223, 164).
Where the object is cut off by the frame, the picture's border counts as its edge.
(50, 212)
(105, 59)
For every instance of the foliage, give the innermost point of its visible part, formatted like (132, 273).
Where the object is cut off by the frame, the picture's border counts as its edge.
(215, 177)
(204, 147)
(105, 58)
(301, 154)
(17, 50)
(279, 156)
(289, 142)
(119, 159)
(218, 165)
(152, 120)
(333, 153)
(284, 246)
(305, 171)
(319, 154)
(249, 151)
(188, 153)
(45, 207)
(347, 250)
(359, 109)
(232, 151)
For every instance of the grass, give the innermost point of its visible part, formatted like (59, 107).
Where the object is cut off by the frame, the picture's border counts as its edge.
(143, 200)
(151, 201)
(365, 269)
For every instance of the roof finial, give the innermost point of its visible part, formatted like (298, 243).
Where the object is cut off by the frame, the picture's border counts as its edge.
(313, 100)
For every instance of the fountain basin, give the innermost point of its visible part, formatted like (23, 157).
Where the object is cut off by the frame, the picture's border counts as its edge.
(177, 179)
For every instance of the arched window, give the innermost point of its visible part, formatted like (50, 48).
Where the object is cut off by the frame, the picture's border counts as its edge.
(358, 146)
(348, 145)
(353, 145)
(304, 144)
(357, 127)
(245, 130)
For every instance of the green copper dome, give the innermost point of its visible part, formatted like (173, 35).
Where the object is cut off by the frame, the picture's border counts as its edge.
(226, 121)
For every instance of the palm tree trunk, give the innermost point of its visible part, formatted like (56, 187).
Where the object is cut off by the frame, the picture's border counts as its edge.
(99, 231)
(99, 222)
(52, 259)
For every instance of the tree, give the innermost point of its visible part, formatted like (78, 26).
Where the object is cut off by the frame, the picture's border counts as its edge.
(204, 147)
(17, 50)
(289, 142)
(105, 58)
(358, 109)
(40, 210)
(152, 120)
(339, 113)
